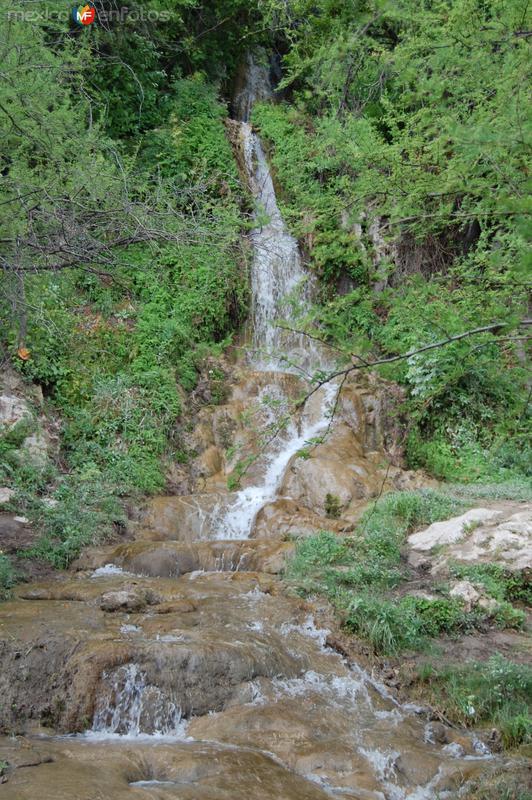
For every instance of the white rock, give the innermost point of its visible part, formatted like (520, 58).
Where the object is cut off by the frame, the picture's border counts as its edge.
(451, 530)
(35, 449)
(12, 410)
(22, 520)
(50, 502)
(466, 593)
(6, 494)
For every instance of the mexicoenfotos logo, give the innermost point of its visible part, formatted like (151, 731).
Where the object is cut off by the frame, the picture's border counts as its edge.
(83, 15)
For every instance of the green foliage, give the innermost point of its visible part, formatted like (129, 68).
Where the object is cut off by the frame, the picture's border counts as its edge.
(359, 574)
(85, 513)
(503, 585)
(333, 506)
(401, 159)
(7, 577)
(496, 692)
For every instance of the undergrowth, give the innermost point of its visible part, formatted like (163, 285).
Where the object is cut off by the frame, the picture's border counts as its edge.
(496, 692)
(360, 574)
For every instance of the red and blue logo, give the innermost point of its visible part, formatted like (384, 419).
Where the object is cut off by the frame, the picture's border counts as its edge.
(84, 15)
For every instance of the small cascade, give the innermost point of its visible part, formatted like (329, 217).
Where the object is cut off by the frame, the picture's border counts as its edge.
(238, 520)
(128, 706)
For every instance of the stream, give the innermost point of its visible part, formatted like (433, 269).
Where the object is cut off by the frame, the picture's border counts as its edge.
(175, 666)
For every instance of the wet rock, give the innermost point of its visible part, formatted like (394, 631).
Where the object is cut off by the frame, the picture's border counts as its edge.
(124, 600)
(437, 732)
(185, 518)
(285, 517)
(173, 559)
(188, 771)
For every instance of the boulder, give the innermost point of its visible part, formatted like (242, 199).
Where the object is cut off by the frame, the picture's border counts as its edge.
(124, 600)
(466, 593)
(6, 494)
(451, 530)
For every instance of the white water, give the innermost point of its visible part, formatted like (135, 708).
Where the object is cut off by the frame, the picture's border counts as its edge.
(278, 279)
(130, 708)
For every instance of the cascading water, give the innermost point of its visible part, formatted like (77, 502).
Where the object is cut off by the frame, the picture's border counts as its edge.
(128, 706)
(278, 279)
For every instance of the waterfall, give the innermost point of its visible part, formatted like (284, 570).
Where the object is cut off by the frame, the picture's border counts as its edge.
(278, 279)
(277, 274)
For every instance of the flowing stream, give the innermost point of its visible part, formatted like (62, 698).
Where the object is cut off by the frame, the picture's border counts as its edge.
(203, 680)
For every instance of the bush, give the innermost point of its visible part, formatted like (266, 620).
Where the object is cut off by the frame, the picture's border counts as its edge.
(85, 513)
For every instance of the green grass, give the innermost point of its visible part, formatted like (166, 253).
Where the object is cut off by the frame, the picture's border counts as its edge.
(497, 693)
(7, 577)
(358, 575)
(517, 488)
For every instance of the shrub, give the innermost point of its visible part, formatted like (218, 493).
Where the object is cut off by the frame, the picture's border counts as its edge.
(85, 513)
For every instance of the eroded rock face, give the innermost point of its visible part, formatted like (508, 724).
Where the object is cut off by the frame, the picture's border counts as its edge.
(359, 458)
(212, 656)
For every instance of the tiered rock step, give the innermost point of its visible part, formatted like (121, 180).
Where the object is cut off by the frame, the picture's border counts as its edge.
(244, 663)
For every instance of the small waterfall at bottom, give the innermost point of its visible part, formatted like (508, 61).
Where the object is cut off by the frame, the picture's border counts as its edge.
(129, 706)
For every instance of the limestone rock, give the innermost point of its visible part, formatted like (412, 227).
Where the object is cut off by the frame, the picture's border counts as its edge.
(13, 409)
(451, 530)
(123, 600)
(466, 593)
(6, 494)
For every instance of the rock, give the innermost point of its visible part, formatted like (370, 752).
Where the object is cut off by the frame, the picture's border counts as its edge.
(13, 409)
(6, 494)
(451, 530)
(208, 463)
(466, 593)
(508, 543)
(311, 480)
(22, 520)
(123, 600)
(437, 732)
(35, 449)
(500, 535)
(186, 517)
(489, 604)
(50, 502)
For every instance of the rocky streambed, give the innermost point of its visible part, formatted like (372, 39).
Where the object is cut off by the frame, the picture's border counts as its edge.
(175, 664)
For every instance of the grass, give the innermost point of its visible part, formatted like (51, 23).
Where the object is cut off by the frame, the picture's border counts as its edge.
(497, 693)
(506, 783)
(359, 574)
(519, 489)
(7, 577)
